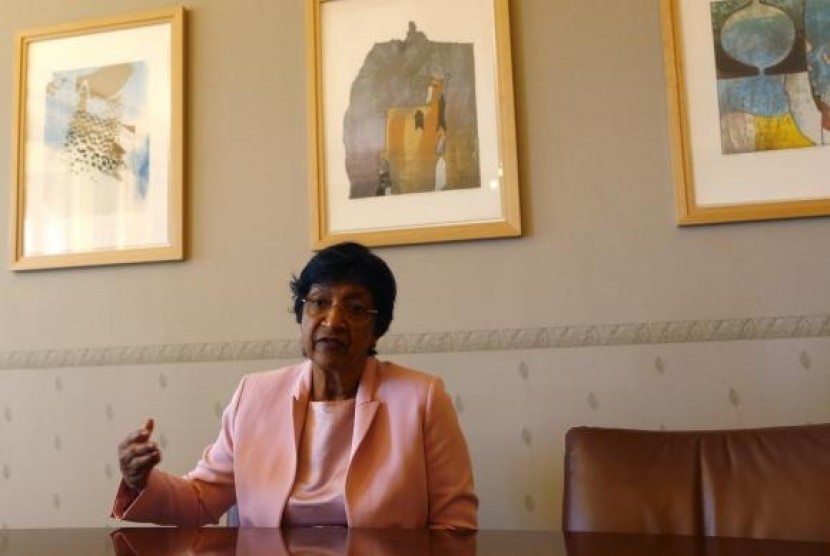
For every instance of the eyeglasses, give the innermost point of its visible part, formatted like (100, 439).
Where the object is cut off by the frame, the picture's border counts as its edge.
(354, 311)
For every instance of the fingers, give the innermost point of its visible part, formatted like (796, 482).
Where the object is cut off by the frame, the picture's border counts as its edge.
(136, 469)
(134, 438)
(137, 455)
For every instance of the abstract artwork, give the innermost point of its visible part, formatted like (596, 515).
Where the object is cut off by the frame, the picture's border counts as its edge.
(98, 176)
(772, 59)
(748, 90)
(96, 123)
(411, 123)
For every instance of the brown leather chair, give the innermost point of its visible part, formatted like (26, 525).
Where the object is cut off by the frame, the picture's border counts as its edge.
(627, 481)
(767, 483)
(758, 483)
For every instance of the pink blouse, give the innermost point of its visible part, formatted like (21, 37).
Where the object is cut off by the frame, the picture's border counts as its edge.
(322, 461)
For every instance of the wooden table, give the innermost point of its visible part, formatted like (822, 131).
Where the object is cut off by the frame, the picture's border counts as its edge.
(363, 542)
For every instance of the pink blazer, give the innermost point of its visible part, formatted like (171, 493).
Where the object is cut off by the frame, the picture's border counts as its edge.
(409, 465)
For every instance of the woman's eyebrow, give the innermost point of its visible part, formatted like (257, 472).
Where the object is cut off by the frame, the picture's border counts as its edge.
(348, 296)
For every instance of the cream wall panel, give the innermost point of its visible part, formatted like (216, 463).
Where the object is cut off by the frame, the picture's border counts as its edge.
(60, 428)
(517, 405)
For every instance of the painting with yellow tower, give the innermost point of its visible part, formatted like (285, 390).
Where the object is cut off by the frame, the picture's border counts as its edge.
(410, 126)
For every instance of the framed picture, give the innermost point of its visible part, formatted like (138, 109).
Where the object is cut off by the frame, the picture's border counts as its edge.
(748, 86)
(412, 131)
(98, 146)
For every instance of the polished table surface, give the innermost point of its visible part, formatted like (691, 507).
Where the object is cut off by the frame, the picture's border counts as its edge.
(364, 542)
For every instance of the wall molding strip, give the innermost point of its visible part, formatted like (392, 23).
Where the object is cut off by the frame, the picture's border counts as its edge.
(553, 337)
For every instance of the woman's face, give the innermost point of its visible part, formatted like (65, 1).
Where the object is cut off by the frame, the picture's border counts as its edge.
(338, 339)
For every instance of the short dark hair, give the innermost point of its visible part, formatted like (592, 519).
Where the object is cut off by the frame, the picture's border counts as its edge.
(351, 263)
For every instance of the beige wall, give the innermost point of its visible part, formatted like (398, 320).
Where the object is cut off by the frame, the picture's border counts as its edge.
(721, 325)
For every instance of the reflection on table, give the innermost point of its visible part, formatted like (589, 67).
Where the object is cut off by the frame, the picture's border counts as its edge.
(217, 541)
(323, 541)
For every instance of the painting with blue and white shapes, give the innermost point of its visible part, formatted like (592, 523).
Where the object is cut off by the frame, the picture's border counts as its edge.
(92, 120)
(773, 73)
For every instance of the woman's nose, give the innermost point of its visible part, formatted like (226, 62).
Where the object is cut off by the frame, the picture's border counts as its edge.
(334, 316)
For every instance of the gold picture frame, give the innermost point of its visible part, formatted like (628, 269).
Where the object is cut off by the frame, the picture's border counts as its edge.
(405, 151)
(98, 147)
(733, 157)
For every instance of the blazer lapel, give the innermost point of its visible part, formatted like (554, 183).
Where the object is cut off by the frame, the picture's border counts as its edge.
(366, 406)
(296, 412)
(301, 395)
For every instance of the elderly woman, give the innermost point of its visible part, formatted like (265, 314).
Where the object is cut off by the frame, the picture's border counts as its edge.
(339, 439)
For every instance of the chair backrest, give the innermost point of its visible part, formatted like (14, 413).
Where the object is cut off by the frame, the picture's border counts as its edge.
(758, 483)
(626, 481)
(767, 483)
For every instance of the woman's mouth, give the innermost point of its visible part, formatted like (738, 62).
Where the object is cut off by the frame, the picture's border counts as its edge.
(329, 343)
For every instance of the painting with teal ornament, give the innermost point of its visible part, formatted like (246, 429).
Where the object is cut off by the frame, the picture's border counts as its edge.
(772, 59)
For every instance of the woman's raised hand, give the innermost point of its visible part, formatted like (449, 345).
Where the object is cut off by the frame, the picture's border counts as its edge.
(137, 455)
